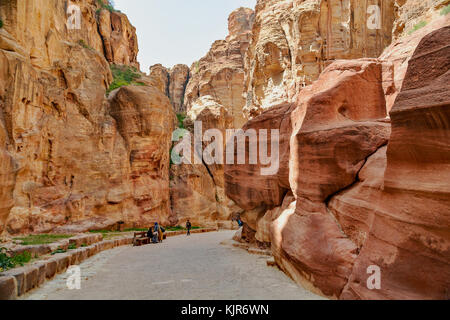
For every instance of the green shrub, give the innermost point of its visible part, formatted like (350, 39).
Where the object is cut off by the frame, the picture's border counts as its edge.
(73, 246)
(8, 262)
(109, 5)
(1, 23)
(418, 26)
(22, 258)
(445, 11)
(181, 117)
(197, 66)
(5, 260)
(124, 76)
(42, 239)
(59, 250)
(83, 43)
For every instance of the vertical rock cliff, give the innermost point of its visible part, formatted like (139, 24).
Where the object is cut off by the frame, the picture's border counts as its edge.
(214, 97)
(294, 41)
(219, 75)
(70, 159)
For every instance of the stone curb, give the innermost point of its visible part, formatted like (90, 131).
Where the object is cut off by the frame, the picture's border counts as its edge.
(16, 282)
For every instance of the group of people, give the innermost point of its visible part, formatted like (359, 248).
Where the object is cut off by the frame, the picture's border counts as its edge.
(156, 232)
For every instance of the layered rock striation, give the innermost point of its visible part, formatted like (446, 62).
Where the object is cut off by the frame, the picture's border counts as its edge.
(365, 181)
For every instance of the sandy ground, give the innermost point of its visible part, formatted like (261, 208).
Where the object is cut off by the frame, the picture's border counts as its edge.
(196, 267)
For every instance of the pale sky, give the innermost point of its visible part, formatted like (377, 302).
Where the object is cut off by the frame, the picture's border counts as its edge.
(178, 31)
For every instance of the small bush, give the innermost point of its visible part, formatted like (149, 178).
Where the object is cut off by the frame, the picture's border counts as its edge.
(418, 26)
(109, 5)
(9, 262)
(1, 23)
(59, 250)
(181, 117)
(445, 11)
(83, 43)
(73, 246)
(124, 76)
(5, 260)
(22, 258)
(197, 66)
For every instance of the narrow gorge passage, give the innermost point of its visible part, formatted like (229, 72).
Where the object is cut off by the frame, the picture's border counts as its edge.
(198, 267)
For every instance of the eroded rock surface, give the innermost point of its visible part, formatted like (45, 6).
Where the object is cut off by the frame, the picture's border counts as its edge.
(405, 191)
(178, 80)
(363, 196)
(294, 41)
(220, 74)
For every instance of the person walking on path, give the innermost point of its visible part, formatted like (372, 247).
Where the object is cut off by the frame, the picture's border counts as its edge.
(188, 227)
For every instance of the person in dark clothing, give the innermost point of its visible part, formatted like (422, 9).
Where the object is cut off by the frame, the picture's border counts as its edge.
(150, 233)
(188, 227)
(158, 232)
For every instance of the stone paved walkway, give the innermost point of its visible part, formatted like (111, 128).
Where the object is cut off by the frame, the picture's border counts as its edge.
(196, 267)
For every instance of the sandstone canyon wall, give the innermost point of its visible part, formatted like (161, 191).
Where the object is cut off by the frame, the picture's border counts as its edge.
(174, 82)
(214, 97)
(219, 75)
(363, 115)
(72, 160)
(363, 169)
(294, 41)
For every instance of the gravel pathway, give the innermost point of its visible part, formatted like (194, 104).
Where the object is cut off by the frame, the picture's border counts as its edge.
(196, 267)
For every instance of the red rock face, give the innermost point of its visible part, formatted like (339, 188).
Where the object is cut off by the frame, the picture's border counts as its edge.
(144, 119)
(244, 183)
(335, 130)
(409, 237)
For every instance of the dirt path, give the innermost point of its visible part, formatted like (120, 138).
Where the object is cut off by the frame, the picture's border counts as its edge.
(195, 267)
